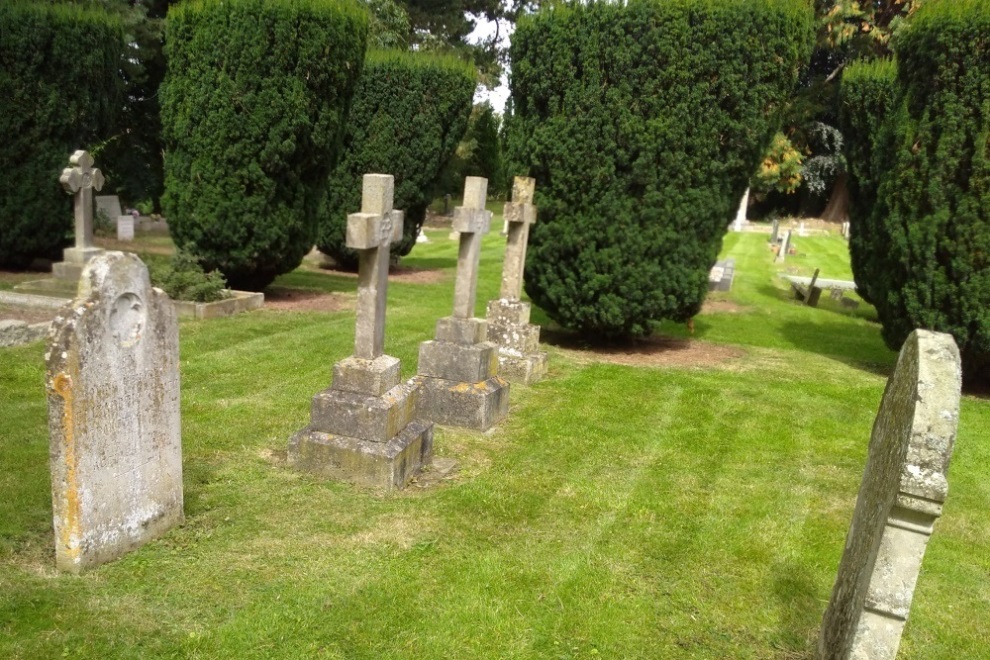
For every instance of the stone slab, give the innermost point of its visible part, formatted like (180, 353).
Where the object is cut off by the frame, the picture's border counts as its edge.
(383, 466)
(368, 377)
(462, 331)
(508, 312)
(900, 498)
(513, 339)
(125, 228)
(15, 333)
(822, 283)
(525, 369)
(240, 301)
(371, 418)
(109, 205)
(459, 362)
(478, 406)
(113, 408)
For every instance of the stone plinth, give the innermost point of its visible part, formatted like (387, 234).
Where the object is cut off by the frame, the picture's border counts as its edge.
(458, 370)
(900, 498)
(113, 415)
(364, 428)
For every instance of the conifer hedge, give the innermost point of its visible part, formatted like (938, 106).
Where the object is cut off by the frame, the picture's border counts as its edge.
(59, 92)
(931, 218)
(410, 111)
(867, 93)
(253, 107)
(642, 123)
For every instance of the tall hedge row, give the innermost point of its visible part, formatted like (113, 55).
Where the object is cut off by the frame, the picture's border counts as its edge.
(410, 111)
(931, 260)
(642, 123)
(59, 92)
(868, 92)
(253, 108)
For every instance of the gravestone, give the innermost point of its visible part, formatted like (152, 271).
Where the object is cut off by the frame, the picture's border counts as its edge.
(721, 275)
(785, 245)
(900, 498)
(80, 180)
(363, 428)
(109, 205)
(459, 369)
(125, 228)
(801, 230)
(519, 356)
(113, 415)
(774, 231)
(845, 230)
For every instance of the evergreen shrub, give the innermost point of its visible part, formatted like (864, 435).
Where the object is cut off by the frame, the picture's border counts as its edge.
(410, 111)
(60, 93)
(867, 94)
(932, 212)
(253, 107)
(642, 123)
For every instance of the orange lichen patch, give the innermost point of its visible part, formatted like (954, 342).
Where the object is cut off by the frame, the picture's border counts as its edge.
(62, 386)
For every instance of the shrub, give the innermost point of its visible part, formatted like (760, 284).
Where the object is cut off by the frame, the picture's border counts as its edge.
(60, 91)
(184, 279)
(253, 106)
(932, 208)
(866, 99)
(409, 113)
(642, 124)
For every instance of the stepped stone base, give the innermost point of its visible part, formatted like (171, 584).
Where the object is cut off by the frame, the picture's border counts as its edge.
(525, 369)
(519, 357)
(478, 406)
(383, 466)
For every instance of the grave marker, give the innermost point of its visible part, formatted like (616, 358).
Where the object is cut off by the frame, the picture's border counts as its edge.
(363, 428)
(785, 245)
(80, 180)
(774, 231)
(721, 275)
(109, 205)
(113, 411)
(900, 498)
(518, 340)
(458, 370)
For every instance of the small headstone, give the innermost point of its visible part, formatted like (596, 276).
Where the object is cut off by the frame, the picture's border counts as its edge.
(421, 237)
(364, 427)
(785, 245)
(900, 498)
(125, 228)
(845, 230)
(109, 205)
(740, 221)
(774, 231)
(519, 356)
(80, 180)
(801, 230)
(459, 369)
(113, 410)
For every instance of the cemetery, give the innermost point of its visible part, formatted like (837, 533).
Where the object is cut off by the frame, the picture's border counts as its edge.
(304, 354)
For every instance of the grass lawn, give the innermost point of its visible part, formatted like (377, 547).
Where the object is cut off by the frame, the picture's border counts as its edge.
(620, 512)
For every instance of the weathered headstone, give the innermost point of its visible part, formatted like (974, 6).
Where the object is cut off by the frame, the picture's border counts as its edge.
(785, 245)
(774, 231)
(900, 498)
(113, 415)
(845, 230)
(80, 180)
(109, 205)
(519, 356)
(721, 275)
(364, 428)
(801, 230)
(459, 369)
(125, 228)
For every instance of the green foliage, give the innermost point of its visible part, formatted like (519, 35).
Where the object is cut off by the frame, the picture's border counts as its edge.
(781, 168)
(642, 124)
(485, 156)
(933, 203)
(867, 98)
(253, 107)
(184, 279)
(409, 113)
(60, 93)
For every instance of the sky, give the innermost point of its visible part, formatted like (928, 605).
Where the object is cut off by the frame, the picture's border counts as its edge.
(485, 28)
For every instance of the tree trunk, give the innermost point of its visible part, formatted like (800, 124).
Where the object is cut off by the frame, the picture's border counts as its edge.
(837, 209)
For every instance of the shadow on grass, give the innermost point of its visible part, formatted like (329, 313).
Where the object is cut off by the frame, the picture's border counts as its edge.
(856, 346)
(798, 608)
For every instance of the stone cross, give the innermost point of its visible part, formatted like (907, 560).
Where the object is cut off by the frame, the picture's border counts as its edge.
(371, 232)
(472, 221)
(80, 181)
(519, 214)
(901, 495)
